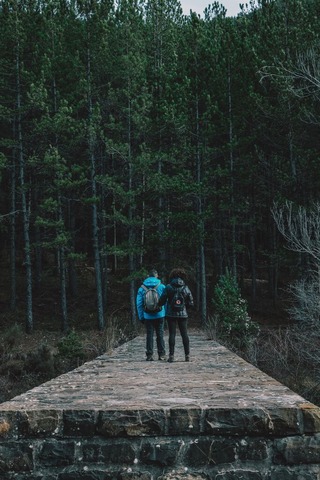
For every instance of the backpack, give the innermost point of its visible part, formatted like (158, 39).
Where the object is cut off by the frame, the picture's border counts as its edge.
(178, 301)
(151, 299)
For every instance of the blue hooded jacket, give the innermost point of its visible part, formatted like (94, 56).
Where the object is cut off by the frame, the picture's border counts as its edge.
(149, 282)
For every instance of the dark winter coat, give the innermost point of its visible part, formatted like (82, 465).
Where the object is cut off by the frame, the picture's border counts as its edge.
(168, 294)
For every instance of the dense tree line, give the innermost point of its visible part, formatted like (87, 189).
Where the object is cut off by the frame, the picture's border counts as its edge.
(132, 135)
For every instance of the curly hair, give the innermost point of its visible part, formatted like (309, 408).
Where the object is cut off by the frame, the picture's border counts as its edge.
(178, 272)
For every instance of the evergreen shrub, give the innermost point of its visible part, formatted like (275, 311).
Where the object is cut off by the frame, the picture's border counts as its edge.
(231, 320)
(71, 346)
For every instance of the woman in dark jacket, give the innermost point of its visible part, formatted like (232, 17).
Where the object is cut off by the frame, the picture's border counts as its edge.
(178, 298)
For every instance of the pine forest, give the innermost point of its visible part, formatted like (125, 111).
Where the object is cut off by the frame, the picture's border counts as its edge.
(133, 136)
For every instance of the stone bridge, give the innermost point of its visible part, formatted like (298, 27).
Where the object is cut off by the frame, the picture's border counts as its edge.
(122, 418)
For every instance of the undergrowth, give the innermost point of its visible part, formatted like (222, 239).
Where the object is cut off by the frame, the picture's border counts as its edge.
(26, 361)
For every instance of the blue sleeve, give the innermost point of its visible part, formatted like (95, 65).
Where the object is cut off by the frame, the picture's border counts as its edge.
(139, 303)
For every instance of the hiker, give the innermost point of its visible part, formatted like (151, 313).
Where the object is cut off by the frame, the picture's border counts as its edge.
(151, 314)
(177, 297)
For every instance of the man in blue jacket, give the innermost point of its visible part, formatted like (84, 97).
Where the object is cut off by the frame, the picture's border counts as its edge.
(154, 321)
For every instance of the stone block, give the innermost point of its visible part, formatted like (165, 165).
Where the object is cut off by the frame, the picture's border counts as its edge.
(30, 476)
(81, 423)
(251, 421)
(284, 421)
(84, 475)
(184, 421)
(111, 452)
(255, 449)
(311, 418)
(183, 474)
(135, 476)
(286, 473)
(131, 423)
(162, 453)
(211, 451)
(239, 474)
(39, 423)
(235, 421)
(15, 456)
(53, 453)
(297, 450)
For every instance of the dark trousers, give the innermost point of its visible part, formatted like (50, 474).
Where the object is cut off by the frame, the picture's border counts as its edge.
(182, 324)
(156, 325)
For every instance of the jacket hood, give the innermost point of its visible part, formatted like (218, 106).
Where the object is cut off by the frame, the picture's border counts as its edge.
(177, 282)
(151, 282)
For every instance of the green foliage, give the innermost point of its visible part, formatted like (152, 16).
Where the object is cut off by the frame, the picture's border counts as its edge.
(71, 346)
(175, 132)
(233, 321)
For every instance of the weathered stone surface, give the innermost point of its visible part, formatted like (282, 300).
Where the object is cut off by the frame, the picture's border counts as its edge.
(15, 456)
(311, 418)
(54, 453)
(40, 423)
(295, 450)
(184, 420)
(163, 453)
(211, 451)
(116, 452)
(282, 473)
(240, 421)
(29, 476)
(239, 474)
(136, 423)
(182, 475)
(95, 475)
(121, 418)
(276, 421)
(214, 379)
(135, 476)
(80, 423)
(253, 449)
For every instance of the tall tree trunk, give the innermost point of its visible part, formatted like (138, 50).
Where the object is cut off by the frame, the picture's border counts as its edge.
(95, 224)
(131, 226)
(25, 207)
(13, 266)
(231, 158)
(63, 280)
(63, 290)
(202, 262)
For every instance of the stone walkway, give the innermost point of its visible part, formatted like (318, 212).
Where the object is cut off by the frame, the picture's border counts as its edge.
(214, 378)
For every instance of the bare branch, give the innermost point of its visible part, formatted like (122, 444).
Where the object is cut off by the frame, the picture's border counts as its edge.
(300, 228)
(302, 77)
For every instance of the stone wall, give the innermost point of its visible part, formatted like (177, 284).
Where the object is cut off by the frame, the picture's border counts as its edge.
(63, 437)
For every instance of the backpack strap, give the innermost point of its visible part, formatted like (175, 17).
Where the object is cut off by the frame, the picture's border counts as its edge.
(146, 288)
(178, 289)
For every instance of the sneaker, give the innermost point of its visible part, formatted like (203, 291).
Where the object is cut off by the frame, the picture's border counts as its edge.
(187, 358)
(171, 358)
(162, 358)
(149, 358)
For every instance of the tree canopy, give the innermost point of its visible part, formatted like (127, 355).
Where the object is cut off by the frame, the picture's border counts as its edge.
(134, 136)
